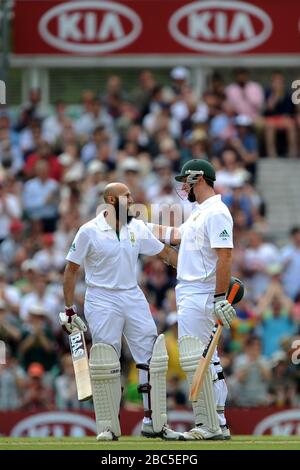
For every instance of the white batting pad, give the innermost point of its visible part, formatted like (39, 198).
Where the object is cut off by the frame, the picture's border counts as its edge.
(106, 386)
(158, 377)
(190, 350)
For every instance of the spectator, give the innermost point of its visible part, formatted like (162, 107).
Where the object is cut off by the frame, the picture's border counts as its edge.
(38, 343)
(290, 257)
(275, 309)
(259, 256)
(65, 386)
(40, 197)
(252, 373)
(245, 96)
(279, 116)
(10, 208)
(12, 382)
(37, 396)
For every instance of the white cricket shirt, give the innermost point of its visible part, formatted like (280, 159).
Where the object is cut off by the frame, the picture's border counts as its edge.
(208, 227)
(109, 261)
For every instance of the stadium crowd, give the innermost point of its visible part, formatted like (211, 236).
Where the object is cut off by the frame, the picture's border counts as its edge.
(53, 170)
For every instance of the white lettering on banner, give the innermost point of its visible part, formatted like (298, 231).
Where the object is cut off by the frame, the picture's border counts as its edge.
(241, 27)
(68, 26)
(111, 27)
(296, 353)
(91, 26)
(2, 92)
(221, 27)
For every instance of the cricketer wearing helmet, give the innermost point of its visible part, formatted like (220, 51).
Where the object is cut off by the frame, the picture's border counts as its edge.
(109, 246)
(203, 274)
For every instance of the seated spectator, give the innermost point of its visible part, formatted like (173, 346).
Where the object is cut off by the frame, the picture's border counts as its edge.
(53, 126)
(12, 382)
(42, 296)
(282, 388)
(48, 259)
(290, 258)
(10, 208)
(245, 143)
(37, 396)
(44, 153)
(65, 386)
(232, 172)
(252, 373)
(13, 242)
(40, 197)
(10, 329)
(245, 96)
(279, 116)
(259, 256)
(38, 342)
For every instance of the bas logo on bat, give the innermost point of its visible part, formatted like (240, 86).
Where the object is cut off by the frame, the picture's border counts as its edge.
(77, 347)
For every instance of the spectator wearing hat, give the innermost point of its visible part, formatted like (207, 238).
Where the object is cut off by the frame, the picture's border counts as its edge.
(28, 276)
(37, 396)
(38, 342)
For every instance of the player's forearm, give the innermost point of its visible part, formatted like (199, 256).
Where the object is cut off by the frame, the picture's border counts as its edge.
(223, 272)
(169, 255)
(169, 235)
(70, 276)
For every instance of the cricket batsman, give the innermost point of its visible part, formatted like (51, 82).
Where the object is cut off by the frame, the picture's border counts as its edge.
(203, 274)
(109, 246)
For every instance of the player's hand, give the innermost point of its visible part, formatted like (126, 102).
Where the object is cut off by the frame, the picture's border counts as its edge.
(224, 311)
(70, 321)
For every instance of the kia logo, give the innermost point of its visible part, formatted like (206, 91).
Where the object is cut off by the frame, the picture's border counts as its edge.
(54, 424)
(284, 423)
(219, 26)
(90, 26)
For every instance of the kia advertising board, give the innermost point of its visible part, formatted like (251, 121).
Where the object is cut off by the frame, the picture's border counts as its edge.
(141, 27)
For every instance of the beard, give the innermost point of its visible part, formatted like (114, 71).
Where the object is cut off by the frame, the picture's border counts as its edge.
(191, 195)
(122, 213)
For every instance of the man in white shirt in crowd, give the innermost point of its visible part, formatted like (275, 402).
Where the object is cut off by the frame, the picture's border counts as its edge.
(109, 246)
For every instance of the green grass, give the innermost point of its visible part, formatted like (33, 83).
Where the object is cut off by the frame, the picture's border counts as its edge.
(139, 443)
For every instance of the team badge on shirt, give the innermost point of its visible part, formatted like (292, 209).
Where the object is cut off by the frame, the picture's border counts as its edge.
(72, 248)
(132, 238)
(224, 235)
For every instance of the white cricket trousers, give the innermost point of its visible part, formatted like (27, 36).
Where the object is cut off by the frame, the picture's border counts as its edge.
(195, 312)
(113, 313)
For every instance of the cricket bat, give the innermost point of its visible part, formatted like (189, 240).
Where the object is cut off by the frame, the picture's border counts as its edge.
(81, 365)
(208, 352)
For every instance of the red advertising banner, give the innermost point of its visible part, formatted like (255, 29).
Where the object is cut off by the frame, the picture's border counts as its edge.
(144, 27)
(59, 423)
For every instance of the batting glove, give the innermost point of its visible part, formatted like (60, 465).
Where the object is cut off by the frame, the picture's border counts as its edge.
(70, 321)
(223, 310)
